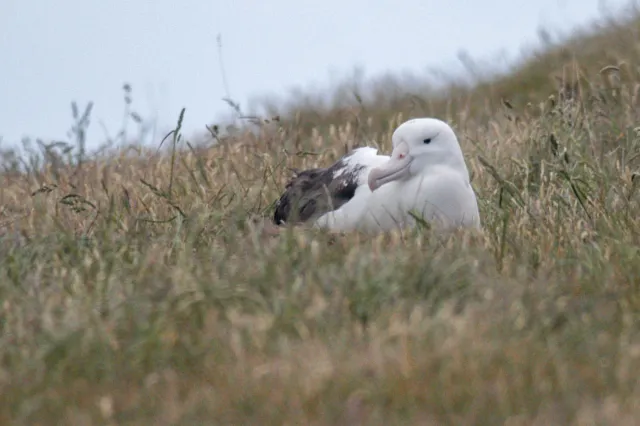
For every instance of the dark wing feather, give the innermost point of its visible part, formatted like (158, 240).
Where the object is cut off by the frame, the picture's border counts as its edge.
(314, 192)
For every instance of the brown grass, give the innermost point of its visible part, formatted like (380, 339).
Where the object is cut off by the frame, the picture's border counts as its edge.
(137, 292)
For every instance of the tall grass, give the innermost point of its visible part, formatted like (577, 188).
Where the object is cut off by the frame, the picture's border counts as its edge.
(144, 286)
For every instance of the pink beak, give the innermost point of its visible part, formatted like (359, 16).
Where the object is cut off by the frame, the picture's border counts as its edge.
(396, 168)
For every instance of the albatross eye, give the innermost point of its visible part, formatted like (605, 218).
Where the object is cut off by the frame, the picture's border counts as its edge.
(427, 141)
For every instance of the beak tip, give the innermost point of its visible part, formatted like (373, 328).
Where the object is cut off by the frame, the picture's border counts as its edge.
(372, 180)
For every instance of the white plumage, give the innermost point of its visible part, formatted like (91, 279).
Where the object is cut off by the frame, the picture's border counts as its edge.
(426, 174)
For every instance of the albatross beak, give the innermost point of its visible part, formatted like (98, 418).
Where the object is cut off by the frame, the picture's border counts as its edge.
(396, 168)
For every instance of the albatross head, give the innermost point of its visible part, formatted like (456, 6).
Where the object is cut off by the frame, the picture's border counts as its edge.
(418, 144)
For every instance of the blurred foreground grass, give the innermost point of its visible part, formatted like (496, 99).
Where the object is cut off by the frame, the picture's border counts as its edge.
(146, 287)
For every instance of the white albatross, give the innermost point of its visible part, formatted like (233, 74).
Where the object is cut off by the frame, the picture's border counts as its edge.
(425, 175)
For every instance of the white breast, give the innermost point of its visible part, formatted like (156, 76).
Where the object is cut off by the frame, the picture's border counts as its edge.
(442, 197)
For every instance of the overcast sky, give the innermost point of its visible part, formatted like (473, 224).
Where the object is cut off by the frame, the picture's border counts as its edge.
(54, 52)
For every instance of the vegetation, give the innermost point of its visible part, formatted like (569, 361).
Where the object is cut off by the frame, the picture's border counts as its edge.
(145, 286)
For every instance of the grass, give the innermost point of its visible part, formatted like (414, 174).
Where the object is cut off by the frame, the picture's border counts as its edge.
(147, 287)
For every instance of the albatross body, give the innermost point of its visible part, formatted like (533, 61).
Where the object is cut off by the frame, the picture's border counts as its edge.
(425, 175)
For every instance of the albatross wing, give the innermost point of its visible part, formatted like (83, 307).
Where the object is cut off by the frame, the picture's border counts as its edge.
(312, 193)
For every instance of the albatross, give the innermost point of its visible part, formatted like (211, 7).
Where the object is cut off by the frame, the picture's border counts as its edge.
(425, 176)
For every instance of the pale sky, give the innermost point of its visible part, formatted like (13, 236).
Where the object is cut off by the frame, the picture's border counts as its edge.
(54, 52)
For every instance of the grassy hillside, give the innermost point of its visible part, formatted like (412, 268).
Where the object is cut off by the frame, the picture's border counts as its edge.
(146, 287)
